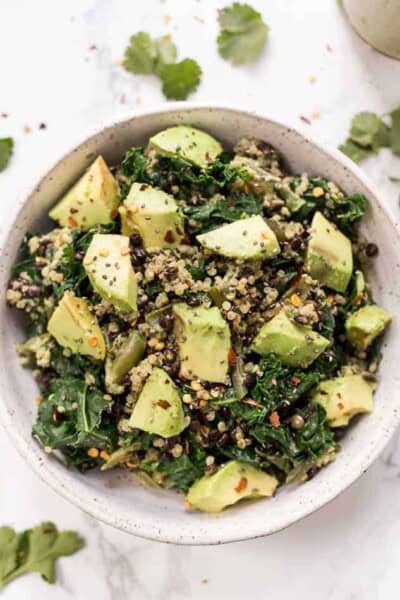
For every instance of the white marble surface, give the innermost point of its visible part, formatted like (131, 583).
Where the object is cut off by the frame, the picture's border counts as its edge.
(350, 550)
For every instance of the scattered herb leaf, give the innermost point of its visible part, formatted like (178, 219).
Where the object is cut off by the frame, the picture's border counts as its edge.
(243, 33)
(34, 551)
(180, 79)
(6, 150)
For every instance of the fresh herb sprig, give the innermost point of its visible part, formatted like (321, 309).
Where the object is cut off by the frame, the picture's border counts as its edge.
(147, 56)
(34, 551)
(369, 133)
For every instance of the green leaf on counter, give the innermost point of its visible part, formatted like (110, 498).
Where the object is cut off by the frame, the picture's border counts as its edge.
(34, 551)
(395, 132)
(179, 80)
(6, 150)
(243, 33)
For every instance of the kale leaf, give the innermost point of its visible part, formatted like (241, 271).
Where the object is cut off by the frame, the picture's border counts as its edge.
(280, 386)
(182, 471)
(72, 417)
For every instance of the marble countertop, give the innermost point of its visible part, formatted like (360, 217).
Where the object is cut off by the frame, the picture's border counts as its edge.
(58, 66)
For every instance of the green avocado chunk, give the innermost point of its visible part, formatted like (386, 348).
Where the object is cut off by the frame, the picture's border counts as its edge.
(344, 397)
(296, 345)
(159, 407)
(329, 257)
(232, 482)
(247, 239)
(191, 144)
(363, 326)
(74, 326)
(125, 353)
(93, 200)
(155, 215)
(108, 265)
(204, 342)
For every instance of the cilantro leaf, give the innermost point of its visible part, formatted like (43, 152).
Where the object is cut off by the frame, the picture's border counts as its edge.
(6, 149)
(35, 550)
(243, 33)
(141, 54)
(166, 52)
(354, 151)
(364, 128)
(395, 132)
(180, 79)
(8, 551)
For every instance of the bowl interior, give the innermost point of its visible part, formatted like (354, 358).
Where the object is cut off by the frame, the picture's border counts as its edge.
(115, 497)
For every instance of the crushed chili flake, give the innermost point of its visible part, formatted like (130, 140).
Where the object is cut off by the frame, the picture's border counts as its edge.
(305, 119)
(187, 505)
(93, 342)
(357, 299)
(242, 485)
(246, 188)
(104, 455)
(169, 237)
(340, 405)
(274, 419)
(163, 404)
(296, 380)
(72, 222)
(232, 358)
(251, 402)
(295, 300)
(329, 300)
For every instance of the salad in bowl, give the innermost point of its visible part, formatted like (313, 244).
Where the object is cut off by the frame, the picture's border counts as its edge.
(201, 317)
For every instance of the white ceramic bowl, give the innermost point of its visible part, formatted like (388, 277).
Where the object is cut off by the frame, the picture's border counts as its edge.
(159, 514)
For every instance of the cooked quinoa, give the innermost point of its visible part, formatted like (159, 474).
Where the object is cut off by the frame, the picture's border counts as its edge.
(267, 408)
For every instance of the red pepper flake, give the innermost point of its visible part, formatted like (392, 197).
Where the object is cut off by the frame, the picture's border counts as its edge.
(340, 405)
(246, 188)
(357, 299)
(305, 119)
(72, 222)
(93, 47)
(185, 241)
(179, 230)
(251, 402)
(114, 214)
(242, 485)
(274, 419)
(169, 237)
(296, 380)
(163, 404)
(93, 342)
(232, 358)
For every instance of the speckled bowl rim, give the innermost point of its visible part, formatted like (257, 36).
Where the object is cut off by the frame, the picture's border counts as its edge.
(85, 501)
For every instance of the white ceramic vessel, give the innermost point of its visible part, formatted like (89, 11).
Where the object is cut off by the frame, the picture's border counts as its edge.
(159, 514)
(377, 22)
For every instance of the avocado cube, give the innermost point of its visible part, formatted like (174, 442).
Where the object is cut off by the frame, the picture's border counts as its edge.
(193, 145)
(329, 257)
(204, 342)
(247, 239)
(74, 326)
(155, 215)
(159, 407)
(296, 345)
(93, 200)
(364, 325)
(232, 482)
(108, 265)
(344, 397)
